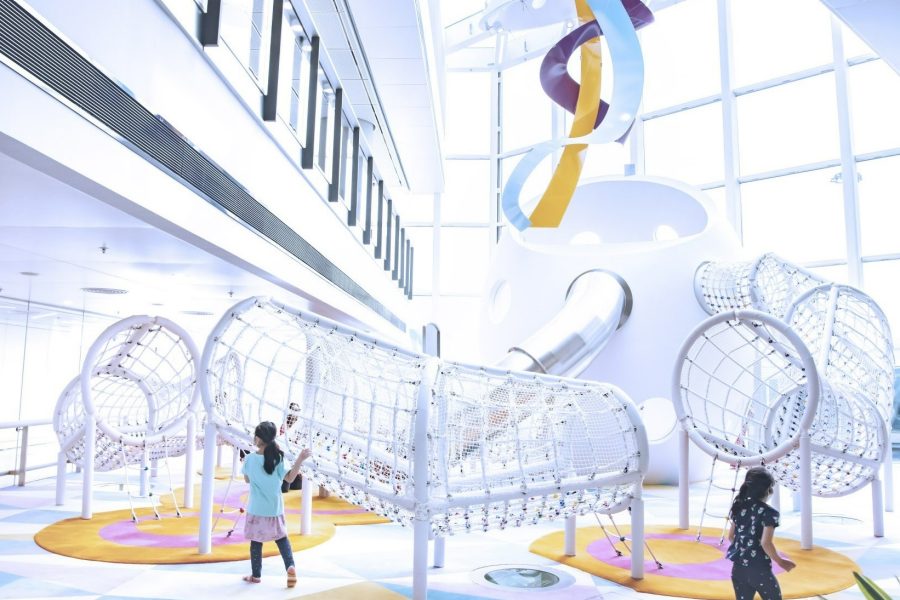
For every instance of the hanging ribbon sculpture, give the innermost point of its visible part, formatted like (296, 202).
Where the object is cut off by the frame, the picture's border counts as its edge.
(595, 121)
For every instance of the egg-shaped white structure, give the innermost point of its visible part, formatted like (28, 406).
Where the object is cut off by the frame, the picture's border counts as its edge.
(652, 234)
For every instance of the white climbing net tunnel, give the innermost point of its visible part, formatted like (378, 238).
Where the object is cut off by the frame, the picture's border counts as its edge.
(791, 373)
(134, 403)
(442, 446)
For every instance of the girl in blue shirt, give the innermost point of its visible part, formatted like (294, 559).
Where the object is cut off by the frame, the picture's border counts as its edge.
(264, 470)
(752, 549)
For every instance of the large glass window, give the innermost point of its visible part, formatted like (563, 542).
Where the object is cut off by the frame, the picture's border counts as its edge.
(686, 145)
(422, 241)
(787, 125)
(777, 37)
(467, 113)
(879, 205)
(467, 191)
(243, 29)
(293, 81)
(800, 217)
(874, 98)
(526, 113)
(881, 283)
(463, 260)
(681, 54)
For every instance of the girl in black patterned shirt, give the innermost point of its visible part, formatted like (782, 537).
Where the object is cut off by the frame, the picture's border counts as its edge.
(752, 550)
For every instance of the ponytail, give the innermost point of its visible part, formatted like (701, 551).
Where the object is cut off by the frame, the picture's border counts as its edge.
(756, 486)
(272, 454)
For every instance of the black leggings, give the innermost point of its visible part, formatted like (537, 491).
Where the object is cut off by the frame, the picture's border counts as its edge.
(287, 555)
(748, 581)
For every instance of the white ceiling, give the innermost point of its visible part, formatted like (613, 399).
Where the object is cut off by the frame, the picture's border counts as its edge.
(56, 231)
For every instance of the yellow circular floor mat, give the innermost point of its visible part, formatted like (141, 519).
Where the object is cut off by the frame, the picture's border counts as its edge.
(693, 569)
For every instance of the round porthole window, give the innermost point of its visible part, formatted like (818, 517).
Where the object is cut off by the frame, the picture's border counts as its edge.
(523, 577)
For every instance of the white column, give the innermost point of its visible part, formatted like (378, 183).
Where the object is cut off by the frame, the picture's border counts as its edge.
(877, 507)
(422, 518)
(439, 548)
(637, 537)
(569, 536)
(889, 475)
(23, 457)
(218, 456)
(191, 441)
(61, 462)
(806, 533)
(145, 472)
(729, 121)
(87, 477)
(684, 479)
(306, 498)
(775, 501)
(207, 487)
(849, 180)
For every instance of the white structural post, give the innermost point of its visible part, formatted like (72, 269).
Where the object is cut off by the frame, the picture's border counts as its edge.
(145, 471)
(61, 462)
(806, 536)
(154, 468)
(422, 519)
(889, 475)
(439, 549)
(306, 498)
(23, 457)
(569, 536)
(877, 506)
(637, 536)
(207, 487)
(775, 501)
(218, 456)
(431, 345)
(191, 442)
(87, 476)
(684, 482)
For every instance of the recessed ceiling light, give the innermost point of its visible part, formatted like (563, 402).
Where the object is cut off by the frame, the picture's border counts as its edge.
(157, 304)
(197, 313)
(103, 290)
(29, 273)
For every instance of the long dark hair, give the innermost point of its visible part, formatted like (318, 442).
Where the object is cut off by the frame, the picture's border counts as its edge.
(756, 486)
(272, 454)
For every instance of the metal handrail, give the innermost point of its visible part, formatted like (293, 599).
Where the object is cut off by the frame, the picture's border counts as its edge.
(24, 426)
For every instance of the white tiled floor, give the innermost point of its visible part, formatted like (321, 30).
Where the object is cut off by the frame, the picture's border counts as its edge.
(376, 553)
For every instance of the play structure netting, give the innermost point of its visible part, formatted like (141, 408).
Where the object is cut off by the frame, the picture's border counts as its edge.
(135, 401)
(790, 372)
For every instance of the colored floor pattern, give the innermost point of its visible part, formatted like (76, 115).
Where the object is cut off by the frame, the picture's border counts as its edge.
(696, 569)
(373, 562)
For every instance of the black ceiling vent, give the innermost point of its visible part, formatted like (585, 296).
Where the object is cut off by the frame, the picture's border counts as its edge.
(36, 49)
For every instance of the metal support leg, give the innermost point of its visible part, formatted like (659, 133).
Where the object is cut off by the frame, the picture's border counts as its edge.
(570, 536)
(637, 538)
(207, 487)
(145, 473)
(306, 498)
(439, 546)
(877, 507)
(889, 477)
(806, 533)
(684, 479)
(23, 457)
(87, 477)
(61, 462)
(190, 450)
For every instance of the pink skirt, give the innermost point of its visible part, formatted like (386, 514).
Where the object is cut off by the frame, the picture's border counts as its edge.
(264, 529)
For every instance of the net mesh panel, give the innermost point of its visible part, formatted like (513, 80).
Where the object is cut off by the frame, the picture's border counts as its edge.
(768, 283)
(850, 341)
(847, 440)
(731, 378)
(503, 450)
(507, 447)
(860, 350)
(142, 384)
